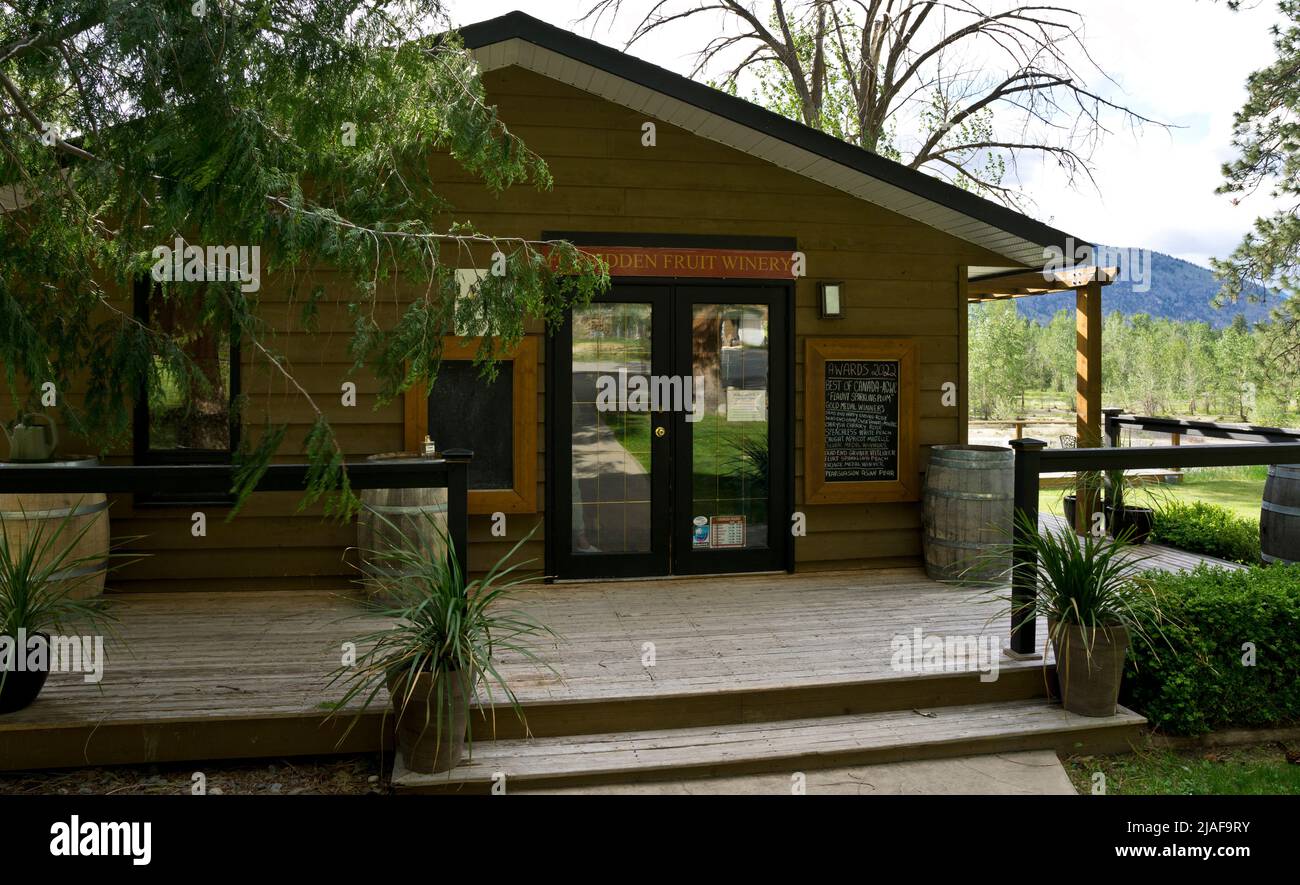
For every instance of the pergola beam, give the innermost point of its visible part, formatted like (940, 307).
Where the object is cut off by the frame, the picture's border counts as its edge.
(1025, 283)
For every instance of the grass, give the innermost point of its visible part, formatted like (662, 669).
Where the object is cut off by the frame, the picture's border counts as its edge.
(1240, 489)
(1257, 770)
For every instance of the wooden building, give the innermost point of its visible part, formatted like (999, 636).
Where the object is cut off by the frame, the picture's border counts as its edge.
(814, 294)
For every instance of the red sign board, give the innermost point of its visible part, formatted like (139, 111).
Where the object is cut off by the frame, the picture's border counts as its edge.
(723, 264)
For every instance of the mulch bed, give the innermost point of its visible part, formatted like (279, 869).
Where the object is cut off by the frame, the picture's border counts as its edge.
(330, 776)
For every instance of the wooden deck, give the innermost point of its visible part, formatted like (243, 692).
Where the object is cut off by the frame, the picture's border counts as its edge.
(227, 675)
(209, 675)
(1154, 556)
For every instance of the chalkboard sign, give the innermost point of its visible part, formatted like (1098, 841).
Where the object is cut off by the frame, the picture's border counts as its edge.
(862, 410)
(860, 420)
(497, 420)
(467, 411)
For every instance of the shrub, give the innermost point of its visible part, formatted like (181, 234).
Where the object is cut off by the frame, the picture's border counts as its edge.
(1197, 681)
(1209, 529)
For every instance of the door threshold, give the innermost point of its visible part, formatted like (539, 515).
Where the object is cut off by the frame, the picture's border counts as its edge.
(666, 577)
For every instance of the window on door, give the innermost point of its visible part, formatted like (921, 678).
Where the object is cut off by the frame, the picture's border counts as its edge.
(611, 448)
(730, 441)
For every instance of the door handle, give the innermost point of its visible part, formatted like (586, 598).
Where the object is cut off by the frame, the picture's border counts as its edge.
(661, 432)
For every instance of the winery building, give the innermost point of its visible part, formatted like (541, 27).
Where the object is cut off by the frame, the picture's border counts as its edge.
(813, 294)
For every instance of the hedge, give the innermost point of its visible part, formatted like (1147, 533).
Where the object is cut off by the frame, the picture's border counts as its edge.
(1194, 680)
(1208, 529)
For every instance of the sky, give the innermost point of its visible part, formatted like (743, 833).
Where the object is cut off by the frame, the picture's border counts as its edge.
(1183, 62)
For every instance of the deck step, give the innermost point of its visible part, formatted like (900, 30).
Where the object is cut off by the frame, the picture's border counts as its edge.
(790, 746)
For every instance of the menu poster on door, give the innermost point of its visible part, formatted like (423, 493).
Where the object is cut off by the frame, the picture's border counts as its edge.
(861, 420)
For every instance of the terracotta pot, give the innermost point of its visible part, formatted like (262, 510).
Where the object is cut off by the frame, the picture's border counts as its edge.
(19, 688)
(1089, 679)
(425, 746)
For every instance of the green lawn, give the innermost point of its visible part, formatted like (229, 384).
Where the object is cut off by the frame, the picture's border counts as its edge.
(1240, 489)
(1261, 769)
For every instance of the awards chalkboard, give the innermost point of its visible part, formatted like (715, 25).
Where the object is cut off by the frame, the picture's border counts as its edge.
(861, 420)
(862, 411)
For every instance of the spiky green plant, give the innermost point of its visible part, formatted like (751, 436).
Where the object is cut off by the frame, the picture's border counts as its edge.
(441, 624)
(39, 574)
(1094, 582)
(34, 594)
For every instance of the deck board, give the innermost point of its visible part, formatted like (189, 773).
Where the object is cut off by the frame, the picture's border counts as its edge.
(764, 746)
(1154, 556)
(245, 673)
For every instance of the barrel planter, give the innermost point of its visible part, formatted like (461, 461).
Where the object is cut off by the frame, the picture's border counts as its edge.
(396, 518)
(1279, 517)
(23, 517)
(967, 510)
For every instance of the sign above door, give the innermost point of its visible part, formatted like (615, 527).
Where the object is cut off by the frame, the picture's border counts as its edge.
(715, 264)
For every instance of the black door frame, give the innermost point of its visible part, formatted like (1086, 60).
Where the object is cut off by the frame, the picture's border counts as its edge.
(559, 457)
(676, 556)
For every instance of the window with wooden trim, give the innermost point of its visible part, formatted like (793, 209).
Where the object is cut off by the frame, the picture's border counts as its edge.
(189, 419)
(496, 419)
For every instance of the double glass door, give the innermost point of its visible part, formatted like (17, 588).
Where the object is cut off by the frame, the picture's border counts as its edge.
(668, 433)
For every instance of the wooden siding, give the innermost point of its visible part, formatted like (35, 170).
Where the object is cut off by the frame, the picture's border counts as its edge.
(901, 279)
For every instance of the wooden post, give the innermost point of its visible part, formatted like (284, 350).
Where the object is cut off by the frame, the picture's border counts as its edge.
(1087, 327)
(1114, 491)
(1178, 441)
(1024, 584)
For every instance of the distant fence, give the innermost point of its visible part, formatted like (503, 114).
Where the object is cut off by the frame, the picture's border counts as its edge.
(1117, 420)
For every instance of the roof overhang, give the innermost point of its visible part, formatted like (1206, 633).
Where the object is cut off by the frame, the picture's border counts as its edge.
(519, 40)
(1024, 283)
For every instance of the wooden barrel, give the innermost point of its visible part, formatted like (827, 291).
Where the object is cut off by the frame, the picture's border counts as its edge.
(399, 518)
(967, 513)
(33, 519)
(1279, 516)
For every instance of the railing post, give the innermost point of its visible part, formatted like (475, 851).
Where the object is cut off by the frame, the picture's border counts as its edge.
(1112, 427)
(1024, 585)
(1114, 490)
(458, 506)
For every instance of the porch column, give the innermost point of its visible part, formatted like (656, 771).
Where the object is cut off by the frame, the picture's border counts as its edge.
(1088, 387)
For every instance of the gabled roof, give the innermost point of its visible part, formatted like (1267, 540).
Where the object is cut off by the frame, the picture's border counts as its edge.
(516, 39)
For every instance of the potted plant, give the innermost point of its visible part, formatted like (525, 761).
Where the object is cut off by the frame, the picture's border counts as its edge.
(1127, 521)
(40, 573)
(439, 656)
(1123, 520)
(1092, 592)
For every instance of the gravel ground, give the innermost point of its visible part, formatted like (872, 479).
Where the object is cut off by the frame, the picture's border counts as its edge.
(330, 776)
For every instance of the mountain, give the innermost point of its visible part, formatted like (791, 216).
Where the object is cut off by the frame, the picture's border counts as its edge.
(1179, 290)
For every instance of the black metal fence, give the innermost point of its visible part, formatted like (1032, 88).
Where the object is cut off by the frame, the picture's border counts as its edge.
(218, 479)
(1033, 458)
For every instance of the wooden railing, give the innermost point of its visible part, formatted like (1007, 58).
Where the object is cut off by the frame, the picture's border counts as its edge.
(1033, 458)
(1117, 420)
(218, 479)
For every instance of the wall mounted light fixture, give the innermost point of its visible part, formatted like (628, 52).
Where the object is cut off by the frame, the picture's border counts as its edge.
(832, 303)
